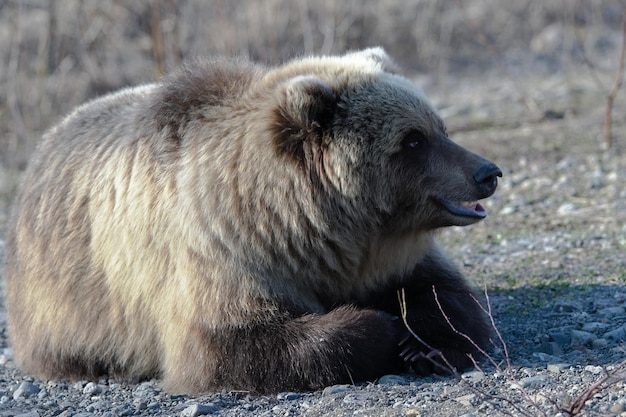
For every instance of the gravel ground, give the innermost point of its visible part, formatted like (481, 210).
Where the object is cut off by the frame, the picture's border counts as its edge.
(552, 255)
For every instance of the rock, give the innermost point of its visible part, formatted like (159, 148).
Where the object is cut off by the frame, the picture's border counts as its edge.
(596, 370)
(335, 389)
(196, 410)
(33, 413)
(92, 389)
(544, 357)
(466, 399)
(561, 339)
(599, 343)
(392, 380)
(473, 376)
(551, 348)
(617, 334)
(556, 367)
(356, 398)
(289, 396)
(535, 381)
(595, 326)
(145, 390)
(25, 390)
(566, 307)
(612, 311)
(582, 338)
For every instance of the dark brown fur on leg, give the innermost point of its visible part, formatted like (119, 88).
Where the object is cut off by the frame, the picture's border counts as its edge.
(425, 317)
(309, 352)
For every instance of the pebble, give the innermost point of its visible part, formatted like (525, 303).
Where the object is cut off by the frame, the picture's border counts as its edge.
(28, 414)
(289, 396)
(551, 348)
(473, 376)
(556, 367)
(596, 370)
(144, 390)
(25, 390)
(356, 398)
(561, 339)
(335, 389)
(196, 410)
(535, 381)
(595, 326)
(612, 311)
(392, 380)
(617, 334)
(544, 357)
(600, 343)
(566, 307)
(92, 389)
(466, 399)
(582, 338)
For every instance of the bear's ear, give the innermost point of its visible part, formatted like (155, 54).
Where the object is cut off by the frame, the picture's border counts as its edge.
(305, 110)
(374, 57)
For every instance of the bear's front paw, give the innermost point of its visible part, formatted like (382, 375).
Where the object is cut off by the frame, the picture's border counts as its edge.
(426, 360)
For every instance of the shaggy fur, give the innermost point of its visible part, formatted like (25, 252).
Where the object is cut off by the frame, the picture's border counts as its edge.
(241, 227)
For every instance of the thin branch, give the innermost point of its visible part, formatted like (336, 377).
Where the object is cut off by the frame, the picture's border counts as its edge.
(618, 83)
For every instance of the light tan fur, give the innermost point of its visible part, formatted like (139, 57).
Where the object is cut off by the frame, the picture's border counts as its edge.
(138, 222)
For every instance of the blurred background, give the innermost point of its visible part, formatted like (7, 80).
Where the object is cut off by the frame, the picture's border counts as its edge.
(55, 54)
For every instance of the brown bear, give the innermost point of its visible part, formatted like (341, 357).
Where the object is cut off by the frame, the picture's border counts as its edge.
(234, 226)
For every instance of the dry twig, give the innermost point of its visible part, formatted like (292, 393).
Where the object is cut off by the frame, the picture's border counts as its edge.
(608, 139)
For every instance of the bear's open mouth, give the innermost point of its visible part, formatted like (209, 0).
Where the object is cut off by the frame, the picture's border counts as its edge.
(465, 208)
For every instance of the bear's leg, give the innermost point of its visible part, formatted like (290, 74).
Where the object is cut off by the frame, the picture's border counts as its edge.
(437, 298)
(308, 352)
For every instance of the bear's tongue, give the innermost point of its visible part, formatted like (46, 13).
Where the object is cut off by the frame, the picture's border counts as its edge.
(466, 208)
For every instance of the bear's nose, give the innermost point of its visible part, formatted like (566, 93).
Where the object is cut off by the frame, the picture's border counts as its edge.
(486, 177)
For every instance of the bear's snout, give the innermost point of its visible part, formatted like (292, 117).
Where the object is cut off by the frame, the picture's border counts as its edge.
(486, 177)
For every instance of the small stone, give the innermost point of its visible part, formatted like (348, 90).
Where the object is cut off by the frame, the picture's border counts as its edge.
(28, 414)
(561, 339)
(356, 398)
(124, 410)
(335, 389)
(551, 348)
(92, 389)
(466, 399)
(289, 396)
(144, 390)
(596, 370)
(556, 367)
(581, 338)
(566, 208)
(544, 357)
(594, 326)
(617, 408)
(617, 334)
(566, 307)
(600, 343)
(612, 311)
(535, 381)
(140, 404)
(196, 410)
(473, 376)
(25, 390)
(392, 380)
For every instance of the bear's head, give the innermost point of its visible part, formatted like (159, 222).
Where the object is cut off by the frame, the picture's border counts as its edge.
(371, 137)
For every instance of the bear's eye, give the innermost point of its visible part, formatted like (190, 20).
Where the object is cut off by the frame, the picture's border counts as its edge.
(412, 141)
